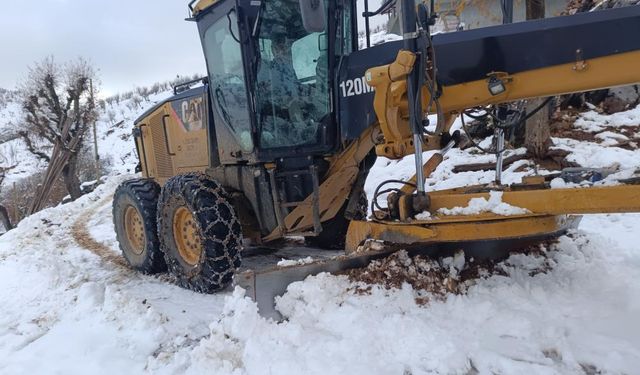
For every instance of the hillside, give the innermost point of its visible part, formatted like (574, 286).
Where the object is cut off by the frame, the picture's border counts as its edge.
(113, 130)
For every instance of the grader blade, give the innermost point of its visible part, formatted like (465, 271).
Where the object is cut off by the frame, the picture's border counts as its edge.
(263, 280)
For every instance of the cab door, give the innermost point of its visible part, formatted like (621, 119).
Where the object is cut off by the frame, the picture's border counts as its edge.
(227, 84)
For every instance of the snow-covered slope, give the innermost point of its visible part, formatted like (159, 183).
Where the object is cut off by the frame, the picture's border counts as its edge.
(113, 130)
(13, 152)
(115, 126)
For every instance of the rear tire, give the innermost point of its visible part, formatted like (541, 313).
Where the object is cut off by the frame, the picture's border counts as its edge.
(134, 218)
(334, 231)
(200, 234)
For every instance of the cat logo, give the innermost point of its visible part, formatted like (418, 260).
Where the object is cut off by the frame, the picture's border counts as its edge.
(192, 114)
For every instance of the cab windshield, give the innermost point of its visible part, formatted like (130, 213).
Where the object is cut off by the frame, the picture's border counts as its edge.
(291, 86)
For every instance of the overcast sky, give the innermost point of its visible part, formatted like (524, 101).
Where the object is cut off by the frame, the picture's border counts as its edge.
(132, 43)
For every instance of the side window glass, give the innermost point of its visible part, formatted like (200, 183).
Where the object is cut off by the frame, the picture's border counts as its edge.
(346, 30)
(226, 81)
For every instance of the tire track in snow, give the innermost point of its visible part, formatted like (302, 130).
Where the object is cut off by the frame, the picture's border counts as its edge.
(83, 237)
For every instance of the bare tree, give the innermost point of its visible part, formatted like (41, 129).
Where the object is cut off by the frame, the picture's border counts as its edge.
(5, 220)
(59, 105)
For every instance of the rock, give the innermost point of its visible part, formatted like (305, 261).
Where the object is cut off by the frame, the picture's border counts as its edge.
(621, 98)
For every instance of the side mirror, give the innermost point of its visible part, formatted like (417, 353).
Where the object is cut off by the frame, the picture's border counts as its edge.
(313, 18)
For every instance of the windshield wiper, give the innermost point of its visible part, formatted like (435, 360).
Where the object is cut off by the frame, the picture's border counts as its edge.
(256, 25)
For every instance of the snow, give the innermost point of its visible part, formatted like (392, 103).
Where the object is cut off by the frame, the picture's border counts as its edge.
(481, 205)
(426, 215)
(559, 183)
(560, 321)
(455, 263)
(379, 37)
(624, 162)
(594, 122)
(81, 313)
(609, 138)
(298, 262)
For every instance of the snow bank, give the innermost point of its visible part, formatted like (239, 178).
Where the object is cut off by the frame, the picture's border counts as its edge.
(578, 315)
(65, 309)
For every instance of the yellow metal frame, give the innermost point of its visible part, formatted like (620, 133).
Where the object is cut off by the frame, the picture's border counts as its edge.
(391, 108)
(391, 104)
(607, 199)
(547, 214)
(442, 232)
(167, 148)
(335, 189)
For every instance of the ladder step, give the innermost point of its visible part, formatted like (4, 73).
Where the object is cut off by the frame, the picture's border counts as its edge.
(280, 206)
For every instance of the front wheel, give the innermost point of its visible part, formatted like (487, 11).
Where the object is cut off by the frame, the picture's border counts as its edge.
(199, 232)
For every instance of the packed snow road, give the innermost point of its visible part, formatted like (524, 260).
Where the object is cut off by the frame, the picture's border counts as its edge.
(66, 309)
(69, 305)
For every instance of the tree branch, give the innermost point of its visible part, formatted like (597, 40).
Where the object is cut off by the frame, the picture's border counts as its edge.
(32, 149)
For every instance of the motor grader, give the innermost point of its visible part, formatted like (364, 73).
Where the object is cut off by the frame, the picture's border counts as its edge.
(278, 140)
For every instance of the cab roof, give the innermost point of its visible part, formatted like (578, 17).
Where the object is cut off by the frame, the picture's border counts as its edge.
(185, 94)
(201, 5)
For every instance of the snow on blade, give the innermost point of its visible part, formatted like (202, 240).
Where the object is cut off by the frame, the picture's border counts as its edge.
(480, 205)
(426, 215)
(297, 262)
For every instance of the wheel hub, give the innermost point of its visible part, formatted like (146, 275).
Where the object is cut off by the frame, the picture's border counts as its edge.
(187, 236)
(134, 228)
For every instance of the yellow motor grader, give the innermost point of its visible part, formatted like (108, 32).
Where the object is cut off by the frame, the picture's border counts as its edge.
(279, 139)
